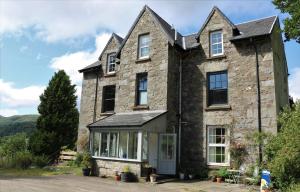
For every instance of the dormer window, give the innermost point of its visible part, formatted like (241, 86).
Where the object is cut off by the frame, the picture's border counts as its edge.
(144, 42)
(111, 63)
(216, 43)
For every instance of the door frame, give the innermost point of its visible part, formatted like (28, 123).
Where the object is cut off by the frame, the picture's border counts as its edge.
(175, 151)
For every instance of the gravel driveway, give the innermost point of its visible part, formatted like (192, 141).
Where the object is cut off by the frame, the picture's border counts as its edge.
(70, 183)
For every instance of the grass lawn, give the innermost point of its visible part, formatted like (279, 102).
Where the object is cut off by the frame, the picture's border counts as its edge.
(47, 171)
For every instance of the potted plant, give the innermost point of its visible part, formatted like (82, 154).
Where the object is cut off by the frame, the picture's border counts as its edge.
(126, 175)
(153, 177)
(117, 176)
(222, 174)
(86, 163)
(191, 174)
(182, 174)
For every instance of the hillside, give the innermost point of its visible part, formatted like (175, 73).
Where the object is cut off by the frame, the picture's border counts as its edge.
(18, 123)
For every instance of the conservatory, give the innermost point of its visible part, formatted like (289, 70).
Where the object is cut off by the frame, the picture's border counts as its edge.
(133, 139)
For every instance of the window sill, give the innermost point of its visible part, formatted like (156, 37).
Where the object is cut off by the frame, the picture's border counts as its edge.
(106, 113)
(216, 165)
(141, 60)
(216, 57)
(117, 159)
(140, 107)
(218, 107)
(110, 74)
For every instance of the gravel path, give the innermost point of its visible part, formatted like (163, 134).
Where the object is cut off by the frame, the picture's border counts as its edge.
(70, 183)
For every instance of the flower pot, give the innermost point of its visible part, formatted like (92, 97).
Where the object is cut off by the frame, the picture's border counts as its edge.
(118, 178)
(219, 179)
(191, 176)
(181, 176)
(86, 171)
(153, 178)
(127, 177)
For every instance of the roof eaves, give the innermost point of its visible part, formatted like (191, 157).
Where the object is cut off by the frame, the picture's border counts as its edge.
(89, 69)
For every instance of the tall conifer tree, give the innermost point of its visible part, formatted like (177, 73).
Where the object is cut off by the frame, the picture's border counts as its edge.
(58, 121)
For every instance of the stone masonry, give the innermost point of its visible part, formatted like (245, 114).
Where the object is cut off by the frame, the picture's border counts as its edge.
(239, 59)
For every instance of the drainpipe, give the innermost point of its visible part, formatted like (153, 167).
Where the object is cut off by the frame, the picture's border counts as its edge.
(96, 95)
(258, 97)
(179, 110)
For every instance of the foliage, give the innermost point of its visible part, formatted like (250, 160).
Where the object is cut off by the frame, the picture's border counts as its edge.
(126, 169)
(58, 120)
(78, 159)
(17, 124)
(9, 145)
(86, 160)
(23, 159)
(40, 161)
(291, 23)
(294, 188)
(237, 153)
(222, 172)
(283, 151)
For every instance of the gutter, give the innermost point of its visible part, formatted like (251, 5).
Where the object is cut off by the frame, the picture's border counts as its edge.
(258, 96)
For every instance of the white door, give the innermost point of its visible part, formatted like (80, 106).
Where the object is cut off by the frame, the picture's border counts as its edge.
(167, 154)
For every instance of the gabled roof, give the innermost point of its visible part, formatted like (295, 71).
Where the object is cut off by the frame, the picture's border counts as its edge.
(167, 28)
(94, 66)
(119, 41)
(255, 28)
(129, 119)
(97, 64)
(214, 9)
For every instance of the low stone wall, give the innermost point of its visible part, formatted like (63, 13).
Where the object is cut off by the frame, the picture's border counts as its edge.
(109, 167)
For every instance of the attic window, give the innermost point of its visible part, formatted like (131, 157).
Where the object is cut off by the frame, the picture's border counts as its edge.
(144, 42)
(111, 63)
(216, 43)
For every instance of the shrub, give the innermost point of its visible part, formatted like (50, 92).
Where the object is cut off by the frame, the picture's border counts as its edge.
(23, 159)
(294, 188)
(223, 172)
(283, 151)
(78, 159)
(86, 160)
(40, 161)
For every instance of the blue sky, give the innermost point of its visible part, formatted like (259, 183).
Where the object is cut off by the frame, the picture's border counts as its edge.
(39, 37)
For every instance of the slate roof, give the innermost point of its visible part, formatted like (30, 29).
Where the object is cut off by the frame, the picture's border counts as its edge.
(130, 119)
(166, 27)
(255, 28)
(190, 41)
(91, 67)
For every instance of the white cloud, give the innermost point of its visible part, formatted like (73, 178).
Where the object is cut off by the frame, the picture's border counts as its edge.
(23, 48)
(72, 62)
(8, 112)
(14, 98)
(294, 81)
(60, 20)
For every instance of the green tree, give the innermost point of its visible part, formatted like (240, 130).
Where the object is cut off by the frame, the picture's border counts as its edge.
(58, 120)
(291, 23)
(283, 151)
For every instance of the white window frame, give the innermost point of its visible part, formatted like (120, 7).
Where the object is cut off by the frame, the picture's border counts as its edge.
(139, 146)
(225, 145)
(140, 47)
(109, 63)
(211, 44)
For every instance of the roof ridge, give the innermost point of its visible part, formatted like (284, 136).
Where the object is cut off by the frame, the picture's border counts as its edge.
(253, 20)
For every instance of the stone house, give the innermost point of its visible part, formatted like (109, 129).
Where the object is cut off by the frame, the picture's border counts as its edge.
(174, 101)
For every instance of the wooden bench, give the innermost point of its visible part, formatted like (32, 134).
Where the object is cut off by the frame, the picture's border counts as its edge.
(67, 155)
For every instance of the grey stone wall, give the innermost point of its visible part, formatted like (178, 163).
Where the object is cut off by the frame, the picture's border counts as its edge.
(280, 68)
(240, 115)
(109, 167)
